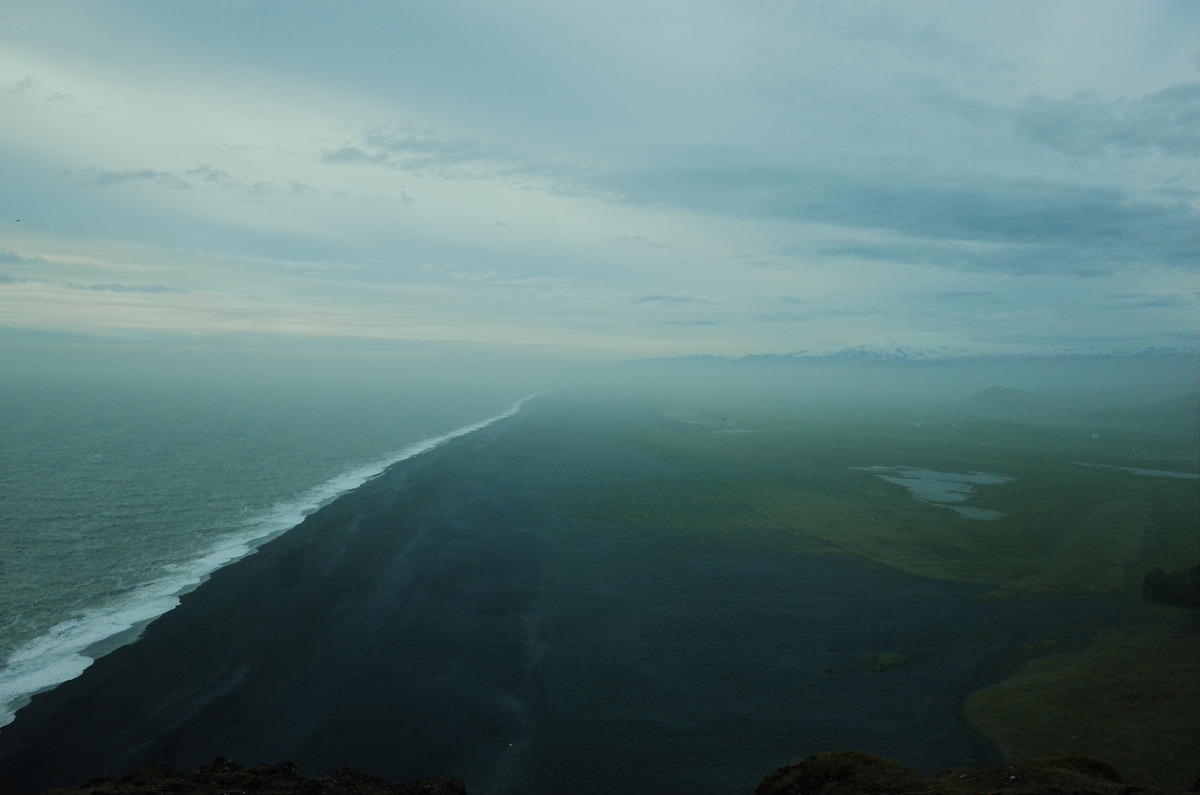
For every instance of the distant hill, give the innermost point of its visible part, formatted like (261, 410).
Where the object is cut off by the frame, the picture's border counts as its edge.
(1089, 408)
(1053, 385)
(862, 354)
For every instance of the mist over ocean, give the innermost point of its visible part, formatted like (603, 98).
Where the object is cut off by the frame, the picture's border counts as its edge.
(663, 577)
(129, 477)
(422, 393)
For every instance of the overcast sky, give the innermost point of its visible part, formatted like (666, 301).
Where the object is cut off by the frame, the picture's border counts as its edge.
(604, 179)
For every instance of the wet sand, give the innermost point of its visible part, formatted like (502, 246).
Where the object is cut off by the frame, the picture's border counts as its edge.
(456, 617)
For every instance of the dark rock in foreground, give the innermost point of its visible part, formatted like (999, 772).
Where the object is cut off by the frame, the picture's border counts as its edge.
(835, 773)
(858, 773)
(223, 777)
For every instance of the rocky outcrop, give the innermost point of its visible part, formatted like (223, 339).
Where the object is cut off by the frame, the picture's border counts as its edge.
(859, 773)
(223, 777)
(835, 773)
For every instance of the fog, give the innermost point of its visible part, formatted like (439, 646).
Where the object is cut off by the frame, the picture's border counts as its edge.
(761, 267)
(1073, 383)
(1161, 388)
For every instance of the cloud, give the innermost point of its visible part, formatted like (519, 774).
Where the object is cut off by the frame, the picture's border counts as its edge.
(1016, 260)
(27, 85)
(1085, 124)
(980, 296)
(211, 174)
(353, 155)
(501, 279)
(100, 288)
(29, 89)
(126, 288)
(1036, 225)
(806, 316)
(945, 206)
(660, 298)
(407, 148)
(205, 176)
(632, 240)
(697, 322)
(448, 156)
(1150, 301)
(786, 258)
(977, 221)
(812, 309)
(938, 166)
(1165, 121)
(163, 179)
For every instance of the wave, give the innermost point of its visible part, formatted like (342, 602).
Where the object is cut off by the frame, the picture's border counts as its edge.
(68, 648)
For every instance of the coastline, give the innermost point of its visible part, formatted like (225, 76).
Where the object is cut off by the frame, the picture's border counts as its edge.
(73, 645)
(254, 625)
(460, 615)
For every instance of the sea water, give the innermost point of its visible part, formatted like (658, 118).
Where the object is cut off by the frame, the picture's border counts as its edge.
(123, 486)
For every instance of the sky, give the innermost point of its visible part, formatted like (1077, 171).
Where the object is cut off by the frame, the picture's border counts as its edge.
(602, 180)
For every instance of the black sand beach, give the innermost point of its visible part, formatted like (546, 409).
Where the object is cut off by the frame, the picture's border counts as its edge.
(458, 616)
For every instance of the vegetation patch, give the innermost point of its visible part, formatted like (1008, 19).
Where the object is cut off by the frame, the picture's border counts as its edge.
(797, 484)
(887, 659)
(1118, 699)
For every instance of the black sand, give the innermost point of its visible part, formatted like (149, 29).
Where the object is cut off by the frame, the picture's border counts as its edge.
(454, 618)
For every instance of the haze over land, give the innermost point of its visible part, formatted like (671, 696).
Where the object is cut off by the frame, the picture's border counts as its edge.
(867, 348)
(672, 578)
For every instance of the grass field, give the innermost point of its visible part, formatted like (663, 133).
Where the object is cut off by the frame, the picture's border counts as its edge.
(1076, 522)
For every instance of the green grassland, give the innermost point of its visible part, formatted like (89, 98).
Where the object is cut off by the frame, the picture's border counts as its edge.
(795, 483)
(1075, 524)
(1130, 696)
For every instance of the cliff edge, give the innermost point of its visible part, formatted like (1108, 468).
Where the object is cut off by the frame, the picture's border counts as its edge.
(834, 773)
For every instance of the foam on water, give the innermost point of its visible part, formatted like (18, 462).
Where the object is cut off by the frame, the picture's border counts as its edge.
(70, 646)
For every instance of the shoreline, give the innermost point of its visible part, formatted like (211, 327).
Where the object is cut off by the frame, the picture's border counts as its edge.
(459, 615)
(69, 648)
(194, 656)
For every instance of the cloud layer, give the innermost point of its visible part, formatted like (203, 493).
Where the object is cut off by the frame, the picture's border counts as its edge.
(605, 180)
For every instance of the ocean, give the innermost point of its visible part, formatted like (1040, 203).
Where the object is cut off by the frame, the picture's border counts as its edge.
(126, 478)
(549, 602)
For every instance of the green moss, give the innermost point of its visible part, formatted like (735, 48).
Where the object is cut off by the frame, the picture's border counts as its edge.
(887, 659)
(994, 596)
(1128, 698)
(790, 484)
(792, 487)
